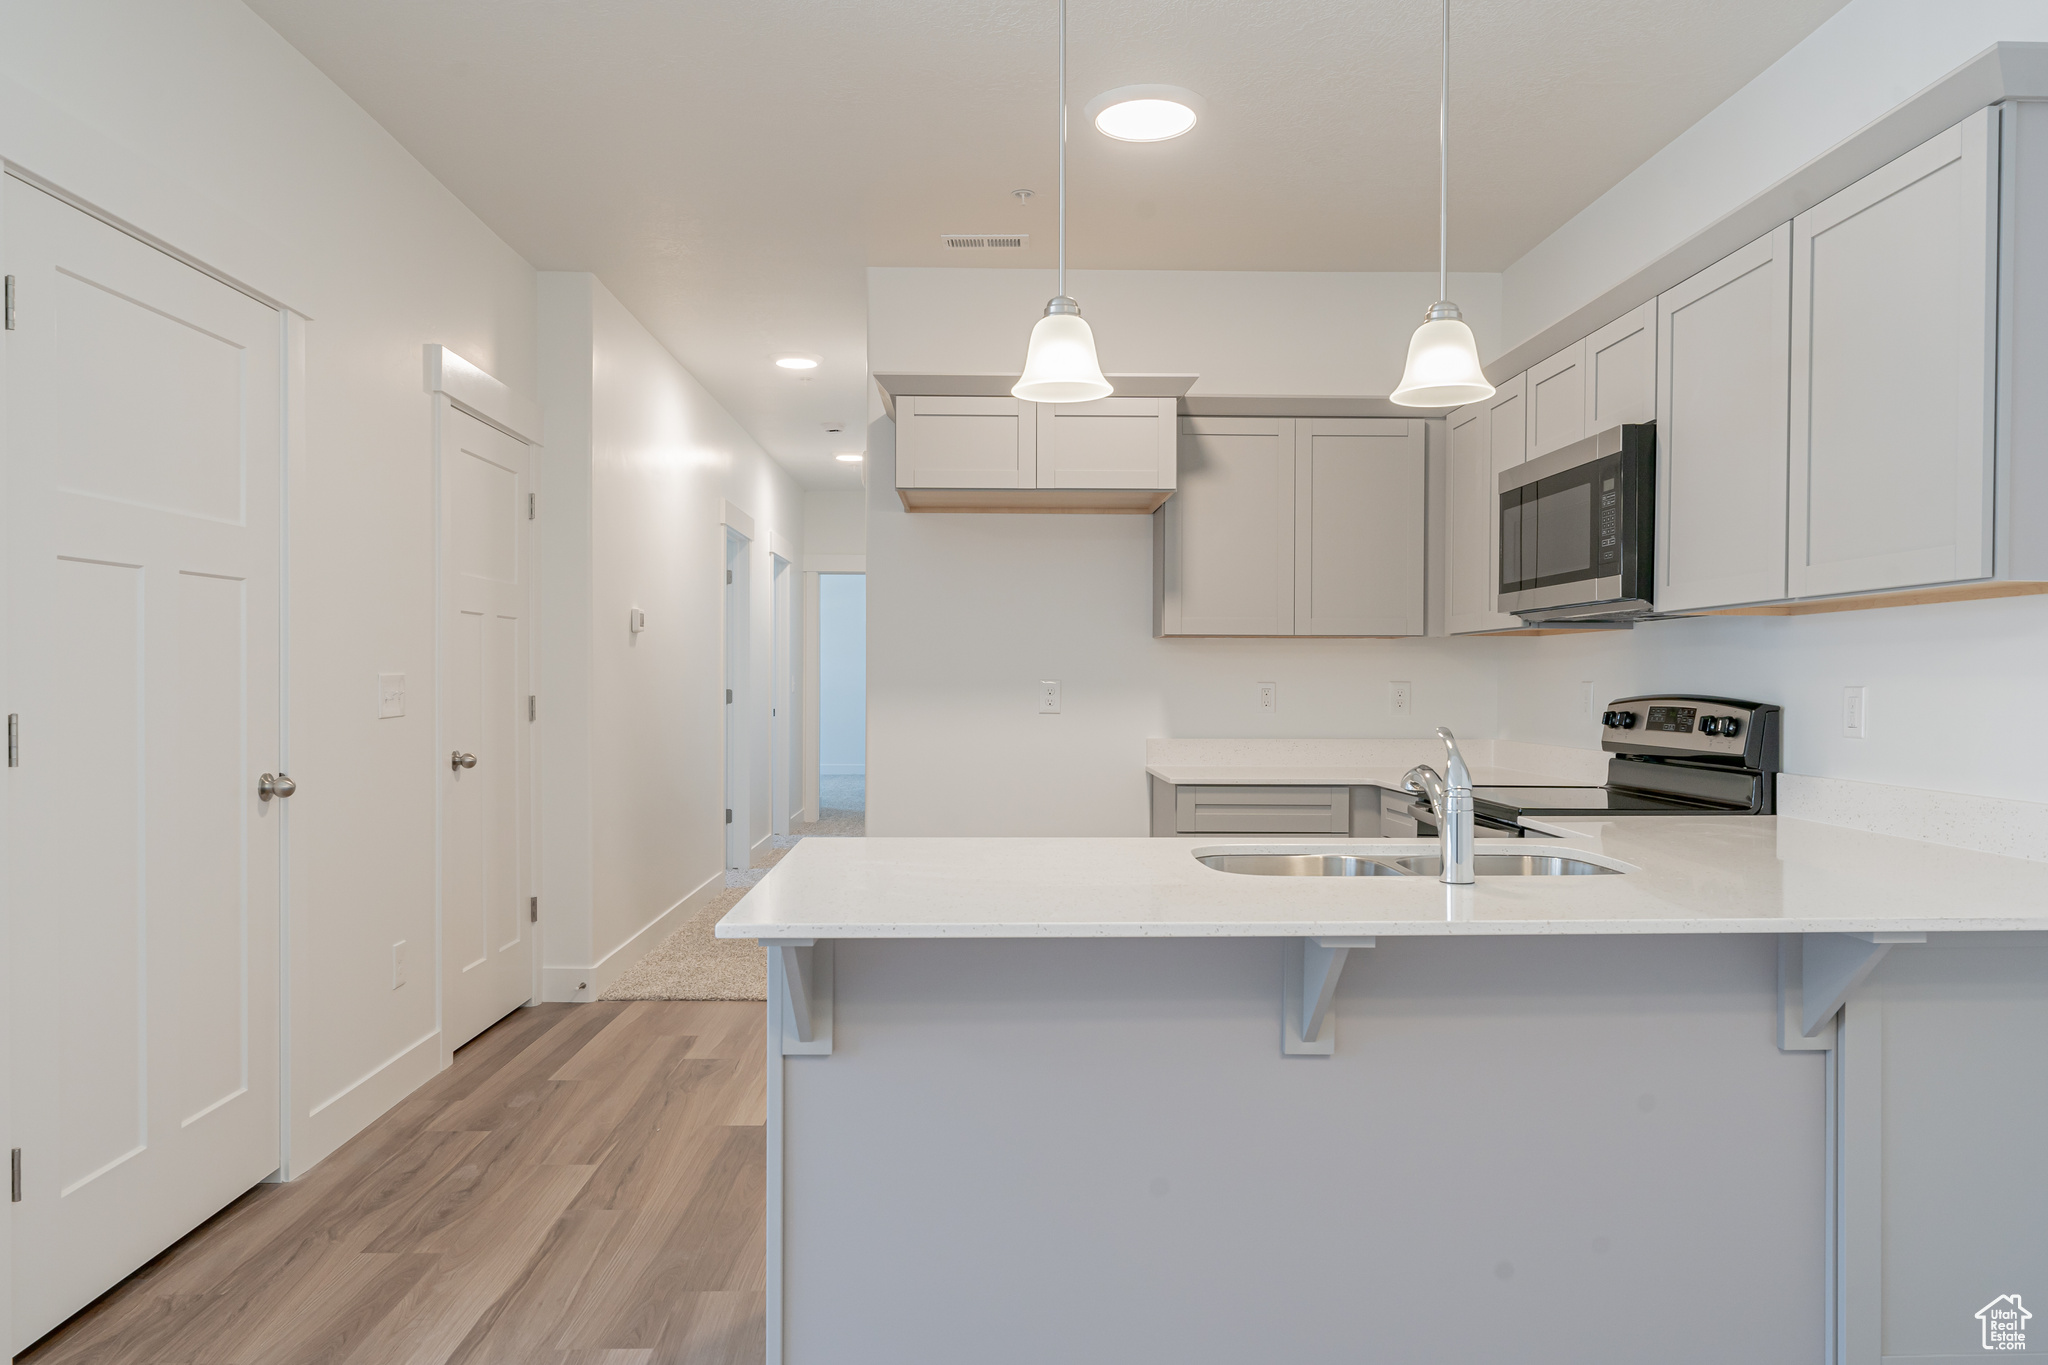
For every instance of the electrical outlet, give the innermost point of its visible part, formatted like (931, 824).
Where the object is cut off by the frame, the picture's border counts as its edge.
(390, 696)
(397, 964)
(1855, 712)
(1268, 698)
(1401, 697)
(1048, 697)
(1586, 697)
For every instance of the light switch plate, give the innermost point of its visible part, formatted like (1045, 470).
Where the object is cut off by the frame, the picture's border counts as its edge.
(1048, 697)
(397, 964)
(1855, 712)
(1586, 697)
(1267, 698)
(390, 696)
(1401, 698)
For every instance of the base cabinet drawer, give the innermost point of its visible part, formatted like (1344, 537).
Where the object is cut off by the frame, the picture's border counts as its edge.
(1262, 810)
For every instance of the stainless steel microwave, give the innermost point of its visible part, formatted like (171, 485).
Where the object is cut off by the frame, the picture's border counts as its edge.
(1576, 529)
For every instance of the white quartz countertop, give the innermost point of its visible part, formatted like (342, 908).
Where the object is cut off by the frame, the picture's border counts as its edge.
(1681, 875)
(1358, 774)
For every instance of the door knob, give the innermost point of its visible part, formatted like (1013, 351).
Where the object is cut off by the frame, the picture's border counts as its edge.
(274, 784)
(460, 760)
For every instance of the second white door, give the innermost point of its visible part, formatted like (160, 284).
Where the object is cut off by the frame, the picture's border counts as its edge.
(486, 910)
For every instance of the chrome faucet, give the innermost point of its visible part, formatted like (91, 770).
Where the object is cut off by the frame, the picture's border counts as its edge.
(1451, 798)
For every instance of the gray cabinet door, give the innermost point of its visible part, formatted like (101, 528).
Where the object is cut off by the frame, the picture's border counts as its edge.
(955, 442)
(1109, 443)
(1893, 322)
(1621, 370)
(1723, 377)
(1224, 543)
(1557, 400)
(1360, 504)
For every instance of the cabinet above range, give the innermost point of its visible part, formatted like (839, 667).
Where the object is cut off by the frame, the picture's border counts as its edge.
(964, 444)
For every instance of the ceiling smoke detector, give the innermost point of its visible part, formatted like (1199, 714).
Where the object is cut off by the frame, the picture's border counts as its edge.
(1004, 240)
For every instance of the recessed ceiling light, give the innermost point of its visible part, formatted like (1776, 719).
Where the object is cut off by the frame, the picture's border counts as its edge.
(853, 457)
(1145, 113)
(793, 361)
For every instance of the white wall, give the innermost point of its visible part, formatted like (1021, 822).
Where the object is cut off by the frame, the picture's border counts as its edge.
(640, 465)
(1241, 331)
(835, 523)
(193, 121)
(842, 674)
(1871, 56)
(967, 613)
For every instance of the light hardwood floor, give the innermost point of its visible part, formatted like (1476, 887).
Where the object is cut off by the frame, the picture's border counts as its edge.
(583, 1187)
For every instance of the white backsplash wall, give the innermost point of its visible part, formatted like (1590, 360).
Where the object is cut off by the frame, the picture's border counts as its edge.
(966, 613)
(1955, 690)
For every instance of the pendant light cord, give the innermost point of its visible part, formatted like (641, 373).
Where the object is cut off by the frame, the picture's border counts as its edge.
(1443, 147)
(1063, 140)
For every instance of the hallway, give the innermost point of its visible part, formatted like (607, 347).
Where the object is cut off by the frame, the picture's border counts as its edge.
(584, 1186)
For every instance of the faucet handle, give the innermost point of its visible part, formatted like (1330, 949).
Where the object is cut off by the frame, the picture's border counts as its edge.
(1456, 774)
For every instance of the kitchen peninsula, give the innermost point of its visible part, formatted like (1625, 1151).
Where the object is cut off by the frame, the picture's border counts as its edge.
(1091, 1100)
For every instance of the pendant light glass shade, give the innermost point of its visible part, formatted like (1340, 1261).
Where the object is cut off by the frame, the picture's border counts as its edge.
(1443, 365)
(1443, 359)
(1060, 366)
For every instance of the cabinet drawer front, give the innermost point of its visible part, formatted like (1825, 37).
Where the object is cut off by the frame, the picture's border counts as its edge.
(1262, 810)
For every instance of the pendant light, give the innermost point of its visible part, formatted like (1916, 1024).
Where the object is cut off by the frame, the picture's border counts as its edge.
(1060, 364)
(1443, 359)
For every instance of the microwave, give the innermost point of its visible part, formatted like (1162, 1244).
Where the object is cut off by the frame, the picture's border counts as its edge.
(1576, 529)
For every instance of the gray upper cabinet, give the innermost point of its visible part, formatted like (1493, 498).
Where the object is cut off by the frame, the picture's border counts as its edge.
(1484, 438)
(1223, 546)
(1286, 526)
(1556, 403)
(1723, 341)
(1621, 370)
(1109, 443)
(1893, 371)
(966, 442)
(1360, 505)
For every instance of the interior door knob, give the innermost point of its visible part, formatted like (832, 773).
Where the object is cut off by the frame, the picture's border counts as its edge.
(460, 760)
(275, 784)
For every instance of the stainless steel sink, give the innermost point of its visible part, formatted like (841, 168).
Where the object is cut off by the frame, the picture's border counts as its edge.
(1508, 865)
(1420, 865)
(1301, 865)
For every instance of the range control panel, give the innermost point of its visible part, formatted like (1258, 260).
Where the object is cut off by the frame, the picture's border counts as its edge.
(1745, 732)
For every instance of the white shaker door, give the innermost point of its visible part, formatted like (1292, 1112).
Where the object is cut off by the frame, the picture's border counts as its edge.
(143, 448)
(486, 932)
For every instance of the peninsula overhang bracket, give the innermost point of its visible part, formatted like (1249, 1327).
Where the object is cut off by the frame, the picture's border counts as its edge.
(1308, 1026)
(1816, 972)
(802, 978)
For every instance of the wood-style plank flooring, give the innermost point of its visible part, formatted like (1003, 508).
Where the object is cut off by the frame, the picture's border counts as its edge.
(583, 1187)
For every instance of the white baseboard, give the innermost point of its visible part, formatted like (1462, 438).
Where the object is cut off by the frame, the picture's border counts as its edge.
(361, 1102)
(763, 841)
(580, 985)
(842, 770)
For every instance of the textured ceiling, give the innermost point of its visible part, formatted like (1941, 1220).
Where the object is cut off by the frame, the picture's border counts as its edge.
(728, 169)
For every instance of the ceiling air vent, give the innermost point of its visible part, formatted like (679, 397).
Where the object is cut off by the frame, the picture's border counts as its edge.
(1009, 241)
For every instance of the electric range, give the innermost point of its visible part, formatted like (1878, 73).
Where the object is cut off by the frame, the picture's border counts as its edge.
(1672, 755)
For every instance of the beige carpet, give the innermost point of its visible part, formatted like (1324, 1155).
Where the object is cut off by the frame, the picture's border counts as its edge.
(690, 964)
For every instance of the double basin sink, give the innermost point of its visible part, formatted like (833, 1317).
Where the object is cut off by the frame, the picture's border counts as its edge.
(1420, 865)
